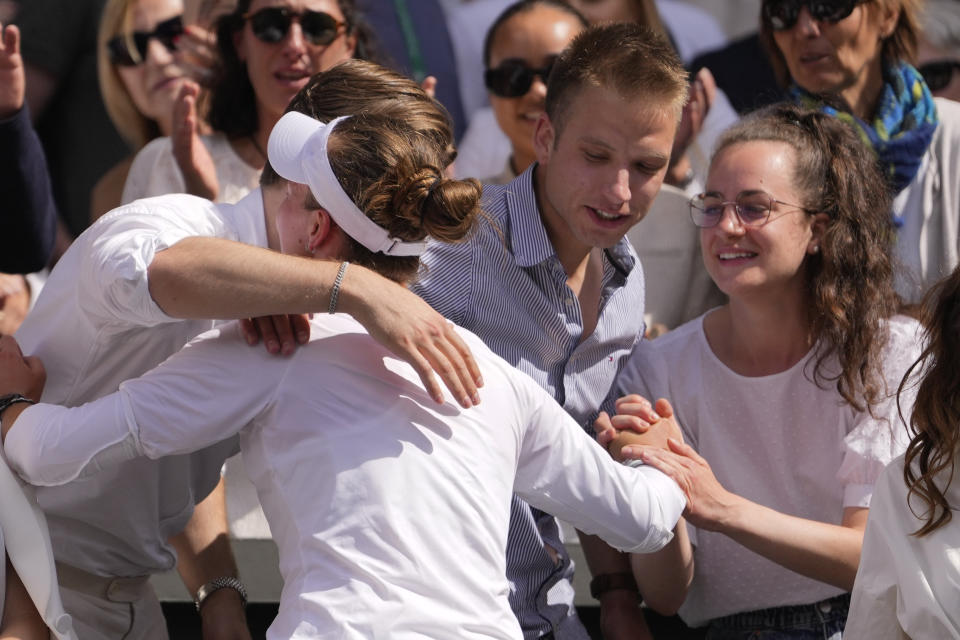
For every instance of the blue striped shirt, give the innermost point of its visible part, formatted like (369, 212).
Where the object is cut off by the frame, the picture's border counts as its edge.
(507, 285)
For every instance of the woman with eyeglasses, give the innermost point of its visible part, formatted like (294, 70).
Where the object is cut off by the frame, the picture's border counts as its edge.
(141, 64)
(268, 49)
(852, 59)
(785, 396)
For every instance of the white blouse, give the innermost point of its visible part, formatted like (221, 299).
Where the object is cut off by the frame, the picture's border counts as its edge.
(155, 172)
(907, 586)
(778, 440)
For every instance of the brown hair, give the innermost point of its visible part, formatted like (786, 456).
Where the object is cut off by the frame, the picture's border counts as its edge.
(361, 87)
(525, 6)
(622, 56)
(899, 46)
(935, 422)
(850, 280)
(394, 174)
(136, 128)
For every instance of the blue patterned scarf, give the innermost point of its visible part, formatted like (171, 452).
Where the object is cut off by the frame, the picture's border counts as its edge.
(902, 126)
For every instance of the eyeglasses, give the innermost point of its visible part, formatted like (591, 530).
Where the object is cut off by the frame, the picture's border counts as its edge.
(752, 208)
(939, 73)
(272, 24)
(782, 14)
(121, 54)
(513, 78)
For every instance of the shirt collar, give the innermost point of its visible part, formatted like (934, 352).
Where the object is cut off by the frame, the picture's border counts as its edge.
(528, 236)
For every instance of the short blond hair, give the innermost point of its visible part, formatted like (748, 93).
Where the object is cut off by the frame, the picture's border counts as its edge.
(136, 128)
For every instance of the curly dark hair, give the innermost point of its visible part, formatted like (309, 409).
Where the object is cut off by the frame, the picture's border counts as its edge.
(935, 422)
(850, 280)
(233, 103)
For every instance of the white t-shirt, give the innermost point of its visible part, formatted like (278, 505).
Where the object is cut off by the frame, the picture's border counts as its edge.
(907, 586)
(154, 171)
(390, 511)
(96, 325)
(780, 441)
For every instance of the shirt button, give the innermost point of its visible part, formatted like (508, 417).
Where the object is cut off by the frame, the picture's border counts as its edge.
(825, 607)
(569, 302)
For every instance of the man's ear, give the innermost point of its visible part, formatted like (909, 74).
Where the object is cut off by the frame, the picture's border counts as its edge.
(544, 136)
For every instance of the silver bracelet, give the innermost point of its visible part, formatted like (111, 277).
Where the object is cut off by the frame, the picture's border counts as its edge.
(223, 582)
(335, 291)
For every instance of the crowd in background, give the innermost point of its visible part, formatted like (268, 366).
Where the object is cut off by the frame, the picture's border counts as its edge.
(756, 294)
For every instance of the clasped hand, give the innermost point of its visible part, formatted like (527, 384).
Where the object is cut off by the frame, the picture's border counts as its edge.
(650, 433)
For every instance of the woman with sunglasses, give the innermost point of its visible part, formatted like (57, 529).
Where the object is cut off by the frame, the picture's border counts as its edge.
(142, 68)
(786, 395)
(268, 49)
(938, 51)
(852, 59)
(518, 51)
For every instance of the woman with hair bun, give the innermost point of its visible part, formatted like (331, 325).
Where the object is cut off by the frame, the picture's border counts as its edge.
(390, 511)
(785, 396)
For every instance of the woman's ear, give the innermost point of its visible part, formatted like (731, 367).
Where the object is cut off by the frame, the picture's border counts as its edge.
(818, 226)
(889, 16)
(238, 45)
(320, 234)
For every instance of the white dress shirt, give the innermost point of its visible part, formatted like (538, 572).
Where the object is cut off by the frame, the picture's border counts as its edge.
(96, 325)
(908, 586)
(390, 511)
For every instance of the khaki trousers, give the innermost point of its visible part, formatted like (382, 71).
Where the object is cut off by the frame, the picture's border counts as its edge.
(111, 608)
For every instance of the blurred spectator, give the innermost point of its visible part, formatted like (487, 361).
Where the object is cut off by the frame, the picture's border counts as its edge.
(414, 40)
(854, 61)
(519, 51)
(938, 53)
(29, 221)
(267, 53)
(59, 52)
(141, 71)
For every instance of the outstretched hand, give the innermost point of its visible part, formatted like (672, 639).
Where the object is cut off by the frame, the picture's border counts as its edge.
(708, 503)
(410, 328)
(12, 83)
(18, 374)
(193, 158)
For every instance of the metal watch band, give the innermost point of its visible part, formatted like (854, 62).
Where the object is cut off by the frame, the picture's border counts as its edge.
(11, 399)
(610, 582)
(223, 582)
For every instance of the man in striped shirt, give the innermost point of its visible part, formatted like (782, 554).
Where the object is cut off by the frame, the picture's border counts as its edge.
(552, 285)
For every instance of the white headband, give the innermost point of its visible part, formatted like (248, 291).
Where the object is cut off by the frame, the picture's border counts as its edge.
(297, 150)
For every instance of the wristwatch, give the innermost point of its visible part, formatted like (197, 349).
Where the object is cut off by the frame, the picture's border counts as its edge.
(11, 399)
(223, 582)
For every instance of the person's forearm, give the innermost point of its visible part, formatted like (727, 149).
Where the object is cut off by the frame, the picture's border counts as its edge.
(825, 552)
(21, 620)
(203, 547)
(216, 278)
(204, 554)
(664, 577)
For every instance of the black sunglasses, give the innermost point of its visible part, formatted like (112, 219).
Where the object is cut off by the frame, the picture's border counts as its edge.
(513, 78)
(272, 24)
(939, 73)
(782, 14)
(166, 32)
